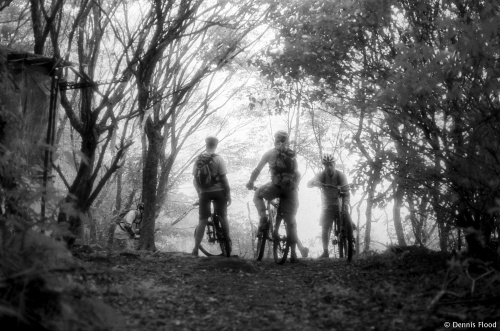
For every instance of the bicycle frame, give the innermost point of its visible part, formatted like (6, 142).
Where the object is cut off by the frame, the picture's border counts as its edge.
(210, 230)
(215, 237)
(271, 209)
(276, 233)
(343, 227)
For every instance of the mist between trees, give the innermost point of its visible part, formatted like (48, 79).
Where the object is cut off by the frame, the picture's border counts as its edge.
(405, 94)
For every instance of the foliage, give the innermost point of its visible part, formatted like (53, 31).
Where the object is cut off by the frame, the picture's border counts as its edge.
(426, 74)
(28, 248)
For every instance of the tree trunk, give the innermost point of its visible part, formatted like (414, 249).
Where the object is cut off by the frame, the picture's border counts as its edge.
(368, 214)
(373, 182)
(440, 219)
(358, 225)
(396, 212)
(77, 200)
(150, 182)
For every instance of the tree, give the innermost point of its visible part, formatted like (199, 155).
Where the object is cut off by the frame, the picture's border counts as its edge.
(89, 109)
(182, 45)
(421, 71)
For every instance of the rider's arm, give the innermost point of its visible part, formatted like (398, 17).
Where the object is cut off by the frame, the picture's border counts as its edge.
(225, 185)
(258, 169)
(222, 174)
(195, 183)
(196, 187)
(314, 182)
(298, 175)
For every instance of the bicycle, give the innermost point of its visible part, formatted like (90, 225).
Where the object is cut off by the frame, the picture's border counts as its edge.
(275, 232)
(215, 242)
(343, 228)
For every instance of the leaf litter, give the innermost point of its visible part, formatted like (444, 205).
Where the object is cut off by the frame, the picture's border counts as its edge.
(411, 291)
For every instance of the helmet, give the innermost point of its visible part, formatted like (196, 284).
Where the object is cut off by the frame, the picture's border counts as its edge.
(327, 159)
(281, 136)
(211, 141)
(140, 205)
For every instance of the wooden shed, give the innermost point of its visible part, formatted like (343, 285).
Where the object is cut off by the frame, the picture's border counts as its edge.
(29, 103)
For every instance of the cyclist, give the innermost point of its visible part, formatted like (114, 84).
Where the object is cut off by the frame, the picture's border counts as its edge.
(283, 185)
(330, 197)
(216, 189)
(128, 227)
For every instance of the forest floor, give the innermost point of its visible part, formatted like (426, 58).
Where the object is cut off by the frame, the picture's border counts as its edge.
(414, 290)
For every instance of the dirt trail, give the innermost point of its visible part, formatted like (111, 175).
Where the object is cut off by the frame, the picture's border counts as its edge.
(175, 291)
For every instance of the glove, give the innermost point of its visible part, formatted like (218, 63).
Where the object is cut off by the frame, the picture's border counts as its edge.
(250, 185)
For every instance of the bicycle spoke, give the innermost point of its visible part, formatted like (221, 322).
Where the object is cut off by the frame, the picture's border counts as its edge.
(280, 243)
(210, 247)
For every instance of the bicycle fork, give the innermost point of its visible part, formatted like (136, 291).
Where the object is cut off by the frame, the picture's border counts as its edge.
(210, 231)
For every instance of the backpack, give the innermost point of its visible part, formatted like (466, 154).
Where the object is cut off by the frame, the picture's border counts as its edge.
(203, 174)
(285, 162)
(284, 169)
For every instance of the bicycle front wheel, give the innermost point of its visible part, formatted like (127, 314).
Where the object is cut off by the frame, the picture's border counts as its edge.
(208, 247)
(261, 244)
(280, 242)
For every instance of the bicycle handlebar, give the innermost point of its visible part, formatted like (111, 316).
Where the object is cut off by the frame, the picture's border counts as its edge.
(254, 188)
(335, 186)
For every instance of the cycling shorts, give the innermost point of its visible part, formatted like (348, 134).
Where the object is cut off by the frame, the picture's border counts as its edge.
(220, 203)
(289, 201)
(328, 215)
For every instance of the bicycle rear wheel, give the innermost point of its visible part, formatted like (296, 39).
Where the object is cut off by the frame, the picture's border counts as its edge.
(222, 237)
(209, 248)
(280, 242)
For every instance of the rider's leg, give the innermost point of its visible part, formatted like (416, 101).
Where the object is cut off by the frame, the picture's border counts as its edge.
(325, 231)
(304, 251)
(203, 215)
(325, 238)
(200, 232)
(289, 203)
(220, 205)
(292, 233)
(267, 191)
(327, 217)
